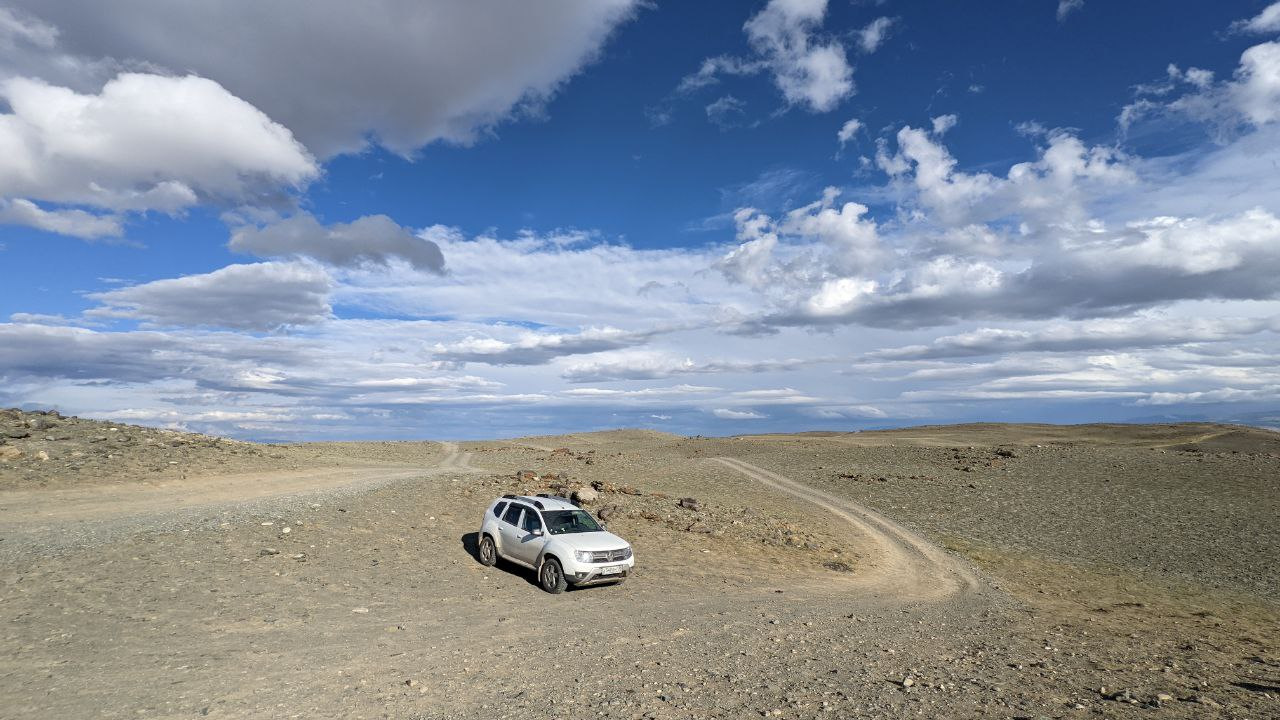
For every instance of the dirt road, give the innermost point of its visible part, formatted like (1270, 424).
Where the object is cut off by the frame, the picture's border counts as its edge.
(907, 566)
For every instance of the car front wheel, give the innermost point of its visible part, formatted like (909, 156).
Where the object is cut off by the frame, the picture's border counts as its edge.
(551, 576)
(488, 551)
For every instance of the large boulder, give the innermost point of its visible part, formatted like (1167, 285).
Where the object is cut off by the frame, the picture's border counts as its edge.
(585, 496)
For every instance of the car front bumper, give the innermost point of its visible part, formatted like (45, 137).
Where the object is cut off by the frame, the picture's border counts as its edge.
(591, 573)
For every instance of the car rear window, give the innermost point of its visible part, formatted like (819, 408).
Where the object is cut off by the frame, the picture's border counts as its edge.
(497, 509)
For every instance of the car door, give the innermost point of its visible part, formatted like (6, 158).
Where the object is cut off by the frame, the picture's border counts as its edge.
(532, 537)
(509, 532)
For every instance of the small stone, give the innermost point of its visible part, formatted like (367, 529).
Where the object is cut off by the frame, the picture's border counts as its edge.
(264, 552)
(42, 456)
(360, 610)
(689, 503)
(286, 531)
(908, 681)
(9, 453)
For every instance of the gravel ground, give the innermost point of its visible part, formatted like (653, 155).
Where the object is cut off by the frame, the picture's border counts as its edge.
(758, 603)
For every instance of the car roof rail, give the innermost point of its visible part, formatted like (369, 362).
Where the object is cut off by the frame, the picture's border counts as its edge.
(509, 497)
(549, 496)
(538, 504)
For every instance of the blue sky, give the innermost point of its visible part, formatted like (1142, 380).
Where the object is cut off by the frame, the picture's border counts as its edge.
(470, 219)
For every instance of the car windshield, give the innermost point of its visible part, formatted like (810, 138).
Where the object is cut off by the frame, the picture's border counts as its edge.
(562, 522)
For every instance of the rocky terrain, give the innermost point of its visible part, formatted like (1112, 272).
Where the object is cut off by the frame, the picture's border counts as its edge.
(962, 571)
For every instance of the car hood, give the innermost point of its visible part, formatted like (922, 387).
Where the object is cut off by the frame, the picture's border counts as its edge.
(592, 541)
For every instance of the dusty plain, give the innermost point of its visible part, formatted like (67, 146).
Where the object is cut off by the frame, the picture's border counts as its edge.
(984, 571)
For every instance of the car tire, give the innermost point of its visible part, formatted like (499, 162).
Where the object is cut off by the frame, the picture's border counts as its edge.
(488, 552)
(551, 576)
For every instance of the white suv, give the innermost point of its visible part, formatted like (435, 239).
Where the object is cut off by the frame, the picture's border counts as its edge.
(562, 542)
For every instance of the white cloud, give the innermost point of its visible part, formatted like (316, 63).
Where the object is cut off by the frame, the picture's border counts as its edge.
(145, 142)
(372, 239)
(404, 72)
(257, 297)
(1267, 21)
(76, 223)
(650, 365)
(808, 71)
(848, 131)
(728, 414)
(1251, 99)
(1066, 7)
(874, 34)
(530, 348)
(1114, 334)
(725, 112)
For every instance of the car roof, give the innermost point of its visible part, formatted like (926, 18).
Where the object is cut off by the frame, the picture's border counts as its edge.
(542, 502)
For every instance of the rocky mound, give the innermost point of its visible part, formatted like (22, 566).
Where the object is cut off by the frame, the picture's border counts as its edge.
(45, 448)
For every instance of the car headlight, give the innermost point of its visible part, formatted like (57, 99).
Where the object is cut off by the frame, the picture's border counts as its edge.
(582, 556)
(626, 553)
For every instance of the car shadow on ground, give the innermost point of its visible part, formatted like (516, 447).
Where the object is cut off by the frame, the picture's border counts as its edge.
(471, 544)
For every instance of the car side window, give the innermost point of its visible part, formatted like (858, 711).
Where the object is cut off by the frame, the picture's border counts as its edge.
(531, 522)
(497, 509)
(513, 514)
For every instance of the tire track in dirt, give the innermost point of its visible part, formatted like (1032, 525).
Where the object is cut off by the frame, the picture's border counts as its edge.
(907, 565)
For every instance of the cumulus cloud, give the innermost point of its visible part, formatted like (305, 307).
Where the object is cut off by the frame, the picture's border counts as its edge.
(144, 142)
(874, 34)
(257, 297)
(402, 72)
(1267, 21)
(372, 239)
(810, 71)
(848, 131)
(1250, 99)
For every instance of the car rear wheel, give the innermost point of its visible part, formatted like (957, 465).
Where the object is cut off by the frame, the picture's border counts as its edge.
(551, 576)
(488, 551)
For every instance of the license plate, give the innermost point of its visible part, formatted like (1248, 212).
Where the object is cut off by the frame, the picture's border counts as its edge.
(611, 570)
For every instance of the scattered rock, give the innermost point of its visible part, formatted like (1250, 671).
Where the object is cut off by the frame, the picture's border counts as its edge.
(42, 456)
(689, 503)
(527, 476)
(360, 610)
(9, 453)
(908, 681)
(585, 495)
(838, 566)
(41, 423)
(17, 433)
(266, 552)
(606, 513)
(1006, 453)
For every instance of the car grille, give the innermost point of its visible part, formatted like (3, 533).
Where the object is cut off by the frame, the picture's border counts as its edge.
(603, 556)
